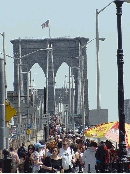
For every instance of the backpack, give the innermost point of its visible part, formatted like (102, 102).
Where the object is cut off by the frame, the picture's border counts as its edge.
(101, 154)
(65, 161)
(21, 152)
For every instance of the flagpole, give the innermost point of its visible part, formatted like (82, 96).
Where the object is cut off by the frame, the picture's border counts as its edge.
(49, 32)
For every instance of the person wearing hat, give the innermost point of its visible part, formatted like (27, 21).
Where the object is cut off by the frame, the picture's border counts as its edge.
(36, 158)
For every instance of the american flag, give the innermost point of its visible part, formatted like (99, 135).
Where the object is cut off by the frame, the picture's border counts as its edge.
(46, 24)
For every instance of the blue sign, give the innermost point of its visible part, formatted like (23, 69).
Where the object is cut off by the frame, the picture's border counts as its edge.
(28, 126)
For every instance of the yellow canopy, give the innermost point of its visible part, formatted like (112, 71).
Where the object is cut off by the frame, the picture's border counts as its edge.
(98, 131)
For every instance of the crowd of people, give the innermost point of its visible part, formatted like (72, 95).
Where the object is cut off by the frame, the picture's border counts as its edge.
(64, 152)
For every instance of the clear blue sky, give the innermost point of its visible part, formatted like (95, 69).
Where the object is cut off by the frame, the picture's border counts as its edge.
(72, 18)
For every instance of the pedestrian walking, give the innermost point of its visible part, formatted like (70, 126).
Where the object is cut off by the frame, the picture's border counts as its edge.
(81, 166)
(76, 162)
(36, 158)
(67, 156)
(89, 157)
(53, 163)
(102, 157)
(21, 153)
(28, 164)
(15, 160)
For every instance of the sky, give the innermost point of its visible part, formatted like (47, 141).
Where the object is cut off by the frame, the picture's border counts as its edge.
(72, 18)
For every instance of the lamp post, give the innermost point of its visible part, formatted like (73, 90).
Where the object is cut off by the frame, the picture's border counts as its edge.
(18, 75)
(82, 77)
(5, 82)
(2, 105)
(28, 103)
(70, 97)
(3, 34)
(82, 86)
(66, 103)
(123, 165)
(47, 76)
(59, 108)
(73, 121)
(97, 54)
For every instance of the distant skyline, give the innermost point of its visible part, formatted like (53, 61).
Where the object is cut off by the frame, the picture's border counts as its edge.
(72, 18)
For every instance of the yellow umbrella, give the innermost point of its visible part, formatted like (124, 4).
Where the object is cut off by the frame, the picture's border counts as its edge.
(99, 130)
(110, 131)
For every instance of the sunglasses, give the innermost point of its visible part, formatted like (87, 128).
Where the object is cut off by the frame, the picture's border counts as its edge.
(31, 148)
(64, 144)
(54, 151)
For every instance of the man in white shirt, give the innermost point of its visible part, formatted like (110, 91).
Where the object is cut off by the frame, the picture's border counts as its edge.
(67, 154)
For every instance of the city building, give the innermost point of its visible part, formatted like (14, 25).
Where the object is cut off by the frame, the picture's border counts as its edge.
(97, 117)
(127, 110)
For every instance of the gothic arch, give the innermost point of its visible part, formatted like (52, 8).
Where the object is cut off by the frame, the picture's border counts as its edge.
(64, 50)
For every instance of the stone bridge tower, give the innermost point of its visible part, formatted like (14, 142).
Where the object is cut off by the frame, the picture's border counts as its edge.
(64, 50)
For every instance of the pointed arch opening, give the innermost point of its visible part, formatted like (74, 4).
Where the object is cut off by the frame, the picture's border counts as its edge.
(38, 76)
(62, 81)
(60, 75)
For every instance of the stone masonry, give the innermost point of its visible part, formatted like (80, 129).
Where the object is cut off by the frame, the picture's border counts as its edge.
(63, 50)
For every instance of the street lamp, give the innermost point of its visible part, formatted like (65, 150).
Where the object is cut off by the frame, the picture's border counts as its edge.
(47, 72)
(73, 122)
(59, 107)
(3, 34)
(82, 77)
(122, 162)
(102, 39)
(66, 118)
(28, 121)
(5, 82)
(2, 105)
(97, 53)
